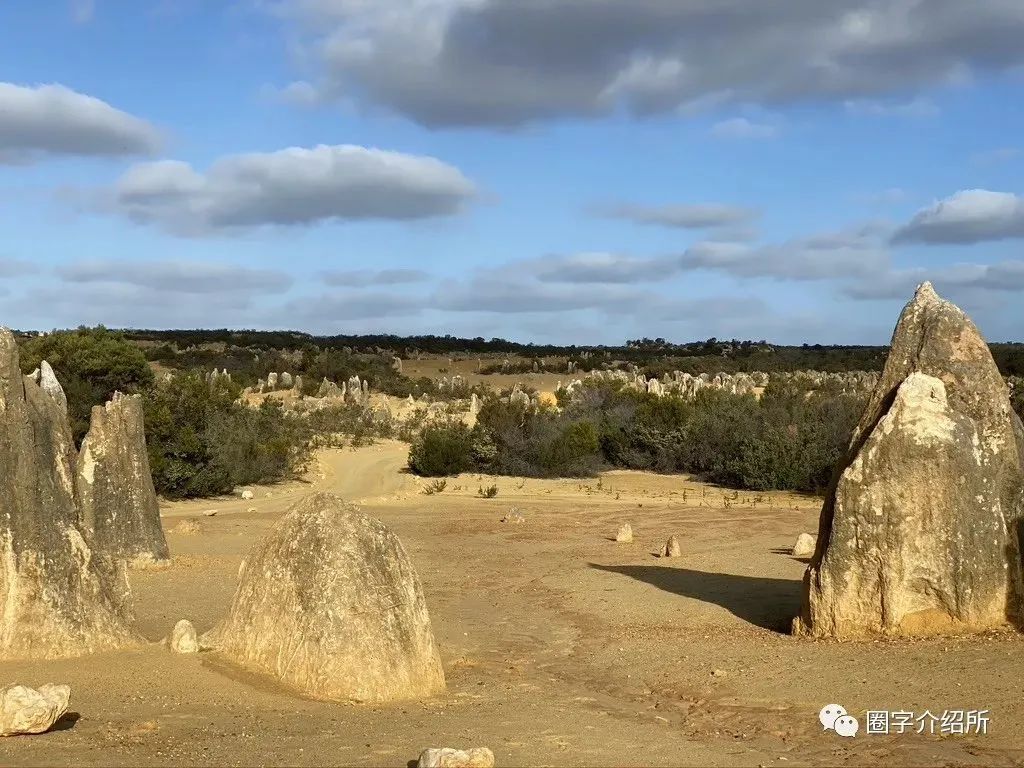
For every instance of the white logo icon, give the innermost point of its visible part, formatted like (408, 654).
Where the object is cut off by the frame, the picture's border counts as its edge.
(847, 726)
(829, 714)
(834, 717)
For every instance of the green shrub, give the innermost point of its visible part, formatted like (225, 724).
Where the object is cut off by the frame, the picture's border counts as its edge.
(91, 364)
(442, 449)
(203, 442)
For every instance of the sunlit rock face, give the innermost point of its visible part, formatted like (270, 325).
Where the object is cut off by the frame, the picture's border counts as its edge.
(119, 510)
(919, 533)
(59, 598)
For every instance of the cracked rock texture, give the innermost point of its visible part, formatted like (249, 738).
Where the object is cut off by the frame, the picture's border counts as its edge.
(330, 604)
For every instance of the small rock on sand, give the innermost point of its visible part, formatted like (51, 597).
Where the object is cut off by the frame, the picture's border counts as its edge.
(183, 638)
(27, 710)
(513, 516)
(247, 494)
(625, 533)
(672, 548)
(446, 757)
(805, 544)
(210, 512)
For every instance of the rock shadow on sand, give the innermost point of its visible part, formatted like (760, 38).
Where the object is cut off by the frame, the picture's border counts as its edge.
(765, 602)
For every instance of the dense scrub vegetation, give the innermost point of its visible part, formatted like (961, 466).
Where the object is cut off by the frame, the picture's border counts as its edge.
(789, 439)
(91, 364)
(201, 440)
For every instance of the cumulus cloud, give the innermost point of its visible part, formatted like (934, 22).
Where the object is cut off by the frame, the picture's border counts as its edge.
(742, 128)
(969, 216)
(600, 268)
(357, 278)
(511, 62)
(497, 292)
(53, 120)
(833, 255)
(178, 276)
(294, 186)
(698, 216)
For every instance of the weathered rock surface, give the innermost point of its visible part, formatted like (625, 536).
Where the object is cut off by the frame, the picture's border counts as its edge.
(48, 383)
(446, 757)
(330, 604)
(672, 548)
(625, 533)
(183, 638)
(919, 532)
(59, 598)
(119, 510)
(25, 710)
(804, 546)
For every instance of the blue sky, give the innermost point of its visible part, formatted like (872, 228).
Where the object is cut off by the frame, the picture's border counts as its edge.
(562, 171)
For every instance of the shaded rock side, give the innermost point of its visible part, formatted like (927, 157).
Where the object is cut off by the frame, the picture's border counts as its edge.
(120, 515)
(919, 530)
(58, 597)
(330, 604)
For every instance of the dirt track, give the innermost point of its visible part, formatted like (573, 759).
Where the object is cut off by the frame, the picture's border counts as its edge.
(561, 647)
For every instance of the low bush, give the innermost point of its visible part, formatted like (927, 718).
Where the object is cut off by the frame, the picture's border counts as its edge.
(442, 449)
(202, 442)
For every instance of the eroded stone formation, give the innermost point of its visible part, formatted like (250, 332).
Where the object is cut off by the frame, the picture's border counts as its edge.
(119, 510)
(330, 604)
(59, 598)
(919, 533)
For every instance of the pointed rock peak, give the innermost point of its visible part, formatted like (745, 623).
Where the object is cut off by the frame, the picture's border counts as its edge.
(47, 380)
(925, 294)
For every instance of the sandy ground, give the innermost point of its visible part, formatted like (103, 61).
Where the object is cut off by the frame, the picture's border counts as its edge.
(561, 646)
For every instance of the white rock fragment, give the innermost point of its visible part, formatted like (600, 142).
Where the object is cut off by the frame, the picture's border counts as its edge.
(805, 544)
(27, 710)
(625, 534)
(183, 638)
(248, 494)
(446, 757)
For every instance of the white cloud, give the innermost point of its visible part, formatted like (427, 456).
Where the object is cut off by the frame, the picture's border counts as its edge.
(54, 120)
(918, 107)
(742, 128)
(357, 278)
(589, 268)
(827, 256)
(968, 216)
(290, 187)
(683, 216)
(178, 276)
